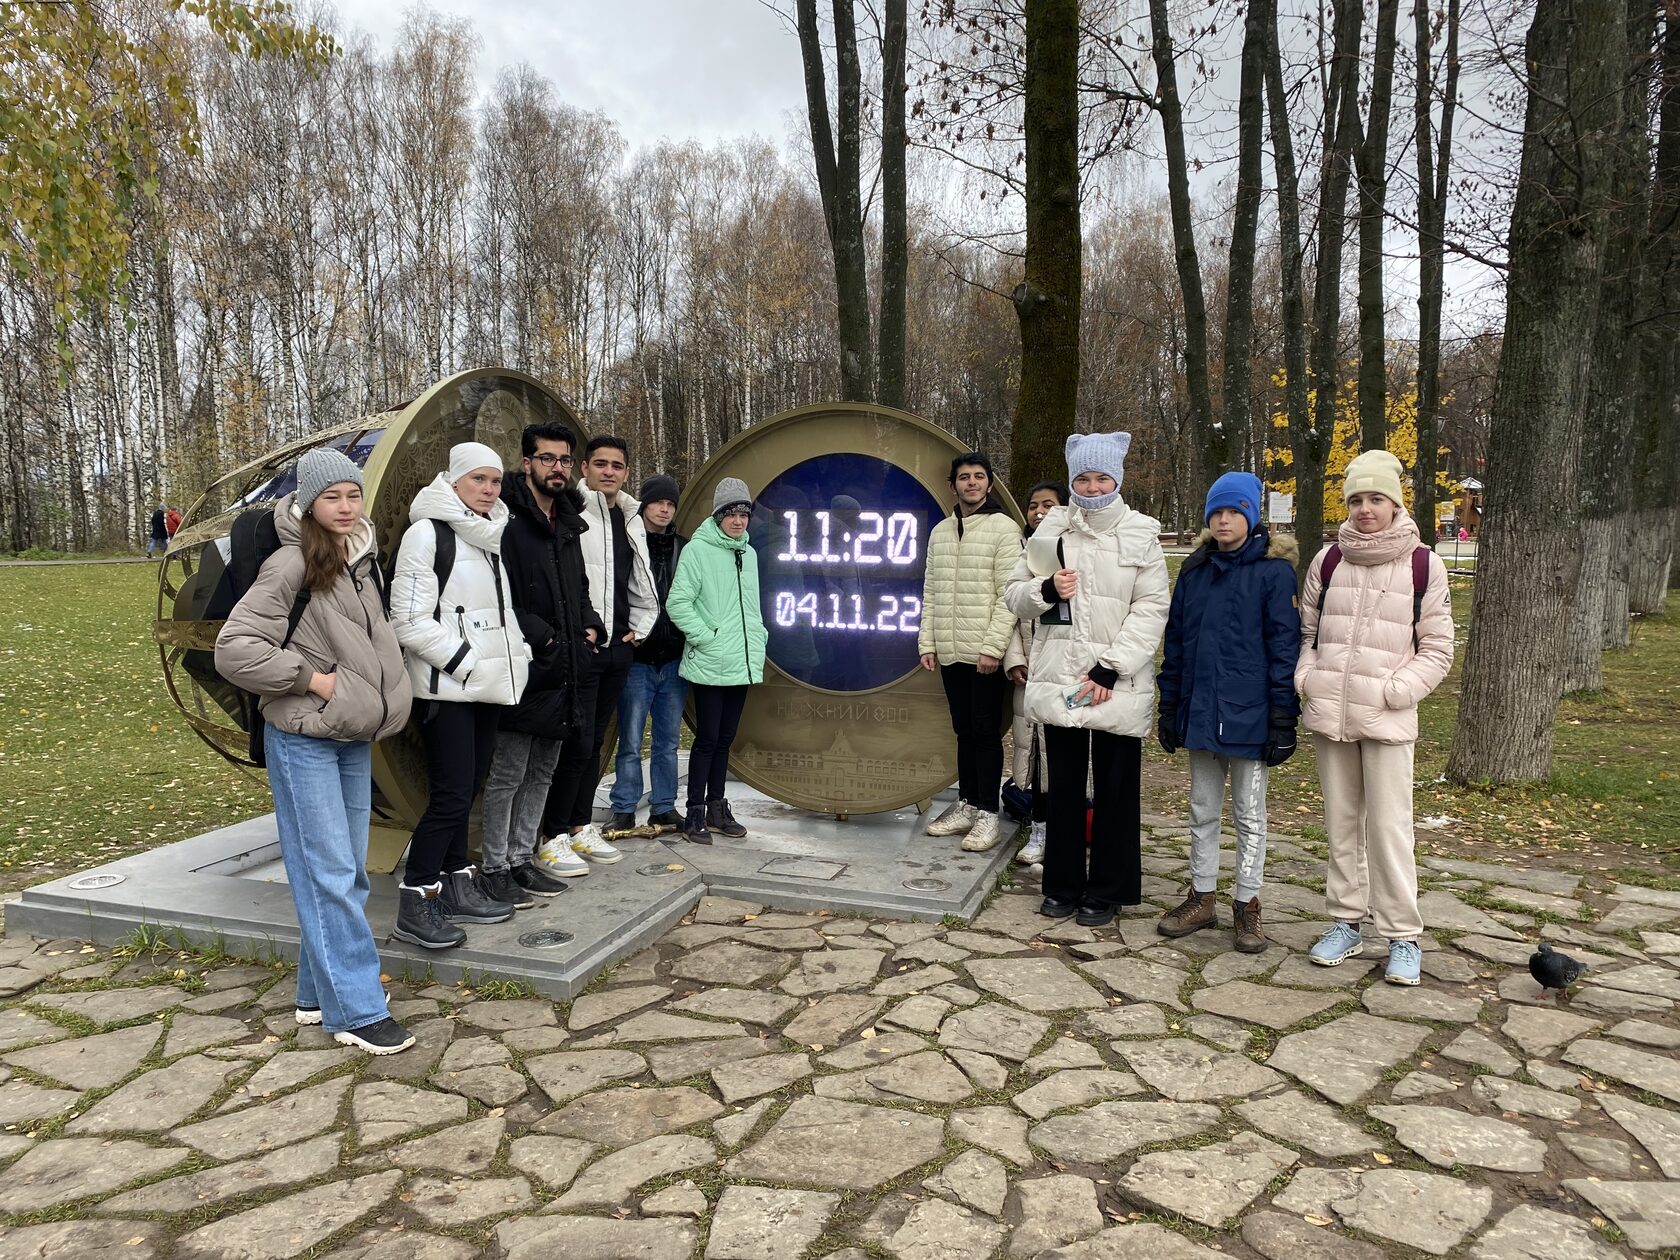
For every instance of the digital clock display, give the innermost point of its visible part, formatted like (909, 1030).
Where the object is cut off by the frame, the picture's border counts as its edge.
(842, 550)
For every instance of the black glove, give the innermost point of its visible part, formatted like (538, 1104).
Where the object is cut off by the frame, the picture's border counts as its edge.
(1166, 728)
(1280, 743)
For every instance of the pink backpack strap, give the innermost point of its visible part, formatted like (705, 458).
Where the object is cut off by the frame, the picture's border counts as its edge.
(1326, 568)
(1420, 584)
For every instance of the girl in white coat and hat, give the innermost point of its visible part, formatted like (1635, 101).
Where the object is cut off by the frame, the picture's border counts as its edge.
(1095, 577)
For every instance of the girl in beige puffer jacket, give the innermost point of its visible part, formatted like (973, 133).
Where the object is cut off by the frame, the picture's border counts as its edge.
(1365, 664)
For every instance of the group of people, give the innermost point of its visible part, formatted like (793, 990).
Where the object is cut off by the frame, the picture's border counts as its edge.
(165, 521)
(524, 611)
(1074, 614)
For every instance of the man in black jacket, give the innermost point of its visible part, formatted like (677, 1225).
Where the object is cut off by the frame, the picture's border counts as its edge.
(551, 599)
(654, 688)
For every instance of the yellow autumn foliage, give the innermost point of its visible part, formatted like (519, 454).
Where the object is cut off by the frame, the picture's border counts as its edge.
(1344, 445)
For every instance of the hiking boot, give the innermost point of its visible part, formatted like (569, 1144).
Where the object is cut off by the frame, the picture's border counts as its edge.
(538, 883)
(1339, 943)
(384, 1036)
(1247, 934)
(465, 901)
(554, 858)
(718, 818)
(666, 818)
(956, 819)
(1193, 914)
(984, 834)
(500, 886)
(694, 826)
(1405, 961)
(590, 845)
(420, 919)
(621, 822)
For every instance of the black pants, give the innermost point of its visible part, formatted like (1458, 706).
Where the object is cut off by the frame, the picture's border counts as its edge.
(1040, 795)
(577, 775)
(717, 714)
(459, 738)
(977, 702)
(1116, 855)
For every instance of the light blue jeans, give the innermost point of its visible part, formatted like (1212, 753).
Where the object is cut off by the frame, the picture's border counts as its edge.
(323, 794)
(657, 691)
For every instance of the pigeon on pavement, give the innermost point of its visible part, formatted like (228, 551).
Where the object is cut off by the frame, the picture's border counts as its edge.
(1552, 970)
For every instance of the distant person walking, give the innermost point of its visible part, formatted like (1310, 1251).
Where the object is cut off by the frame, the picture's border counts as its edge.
(1031, 768)
(964, 634)
(1091, 681)
(330, 681)
(159, 539)
(467, 660)
(655, 688)
(171, 522)
(714, 602)
(1376, 638)
(544, 561)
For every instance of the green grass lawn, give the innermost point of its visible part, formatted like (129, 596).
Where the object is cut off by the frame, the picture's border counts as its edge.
(95, 762)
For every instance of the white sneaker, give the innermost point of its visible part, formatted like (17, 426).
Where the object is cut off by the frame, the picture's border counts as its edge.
(956, 819)
(590, 844)
(985, 833)
(555, 857)
(1033, 850)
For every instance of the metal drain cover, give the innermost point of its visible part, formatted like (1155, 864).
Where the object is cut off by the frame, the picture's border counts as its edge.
(661, 868)
(549, 938)
(927, 885)
(86, 883)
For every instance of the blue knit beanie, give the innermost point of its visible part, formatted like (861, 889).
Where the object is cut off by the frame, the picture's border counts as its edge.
(1238, 490)
(1097, 452)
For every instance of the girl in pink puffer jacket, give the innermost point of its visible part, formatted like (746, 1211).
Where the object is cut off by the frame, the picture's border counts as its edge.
(1376, 638)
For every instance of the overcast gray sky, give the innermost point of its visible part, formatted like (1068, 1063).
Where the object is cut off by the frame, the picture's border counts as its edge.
(677, 69)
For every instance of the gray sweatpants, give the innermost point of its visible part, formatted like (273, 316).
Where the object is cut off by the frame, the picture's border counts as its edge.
(515, 791)
(1208, 774)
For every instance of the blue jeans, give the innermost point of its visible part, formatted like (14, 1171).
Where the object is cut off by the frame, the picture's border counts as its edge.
(323, 794)
(657, 690)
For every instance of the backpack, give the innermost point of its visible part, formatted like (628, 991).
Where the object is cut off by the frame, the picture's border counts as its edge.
(252, 540)
(1420, 584)
(443, 564)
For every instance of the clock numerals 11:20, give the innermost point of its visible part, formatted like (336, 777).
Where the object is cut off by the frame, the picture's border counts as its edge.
(898, 530)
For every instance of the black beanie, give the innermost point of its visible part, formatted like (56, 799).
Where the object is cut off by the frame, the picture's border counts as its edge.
(657, 487)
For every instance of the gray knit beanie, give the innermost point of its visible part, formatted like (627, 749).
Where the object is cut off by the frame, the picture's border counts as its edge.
(1097, 452)
(322, 467)
(730, 492)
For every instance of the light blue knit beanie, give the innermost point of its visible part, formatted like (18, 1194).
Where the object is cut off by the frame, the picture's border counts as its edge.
(1097, 452)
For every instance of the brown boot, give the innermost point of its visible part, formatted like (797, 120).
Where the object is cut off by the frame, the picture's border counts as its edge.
(1196, 913)
(1249, 936)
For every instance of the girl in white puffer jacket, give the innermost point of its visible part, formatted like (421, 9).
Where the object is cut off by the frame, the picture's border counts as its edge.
(1091, 680)
(466, 660)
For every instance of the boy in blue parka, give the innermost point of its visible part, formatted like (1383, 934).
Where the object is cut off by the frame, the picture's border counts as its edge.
(1228, 695)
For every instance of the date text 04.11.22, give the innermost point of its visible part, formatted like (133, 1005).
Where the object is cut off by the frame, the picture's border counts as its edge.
(895, 614)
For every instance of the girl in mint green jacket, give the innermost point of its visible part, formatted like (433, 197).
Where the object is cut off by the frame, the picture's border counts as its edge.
(714, 602)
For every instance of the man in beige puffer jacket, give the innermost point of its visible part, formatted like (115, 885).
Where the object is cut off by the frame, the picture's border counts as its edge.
(1363, 669)
(964, 633)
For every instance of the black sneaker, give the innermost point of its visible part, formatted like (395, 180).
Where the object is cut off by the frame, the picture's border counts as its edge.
(420, 919)
(384, 1036)
(500, 886)
(532, 880)
(666, 818)
(694, 826)
(464, 899)
(718, 818)
(621, 822)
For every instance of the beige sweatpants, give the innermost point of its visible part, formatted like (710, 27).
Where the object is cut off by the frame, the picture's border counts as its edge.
(1368, 812)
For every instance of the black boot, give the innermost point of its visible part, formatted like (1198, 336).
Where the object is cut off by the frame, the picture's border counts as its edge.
(666, 818)
(420, 920)
(694, 826)
(621, 822)
(465, 900)
(718, 818)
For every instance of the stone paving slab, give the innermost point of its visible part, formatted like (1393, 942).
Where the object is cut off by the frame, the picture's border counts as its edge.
(765, 1081)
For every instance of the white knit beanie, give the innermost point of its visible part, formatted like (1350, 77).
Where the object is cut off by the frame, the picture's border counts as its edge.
(467, 456)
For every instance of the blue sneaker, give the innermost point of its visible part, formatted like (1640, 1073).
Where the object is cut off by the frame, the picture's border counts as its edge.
(1339, 943)
(1405, 960)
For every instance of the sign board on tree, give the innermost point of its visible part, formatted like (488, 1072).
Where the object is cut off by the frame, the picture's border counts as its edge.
(1280, 508)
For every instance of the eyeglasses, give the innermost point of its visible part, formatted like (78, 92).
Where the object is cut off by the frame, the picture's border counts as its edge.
(548, 461)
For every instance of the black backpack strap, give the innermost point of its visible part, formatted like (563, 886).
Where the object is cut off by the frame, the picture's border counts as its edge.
(300, 605)
(443, 560)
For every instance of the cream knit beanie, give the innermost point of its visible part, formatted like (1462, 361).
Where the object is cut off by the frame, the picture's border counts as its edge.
(1374, 472)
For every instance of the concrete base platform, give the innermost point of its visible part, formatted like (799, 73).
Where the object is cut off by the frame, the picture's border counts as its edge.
(228, 886)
